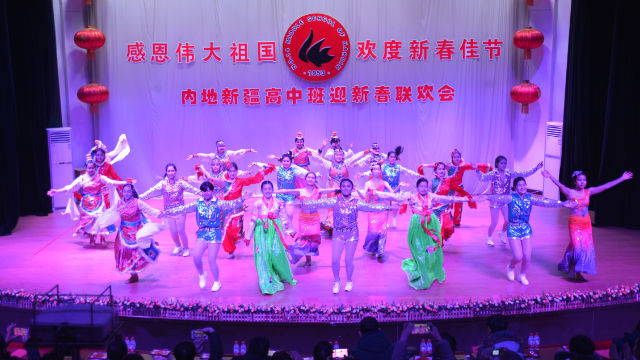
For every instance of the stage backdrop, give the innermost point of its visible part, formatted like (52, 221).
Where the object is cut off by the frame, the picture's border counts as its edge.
(454, 88)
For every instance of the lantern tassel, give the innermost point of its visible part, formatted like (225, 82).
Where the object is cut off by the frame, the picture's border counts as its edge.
(527, 54)
(525, 109)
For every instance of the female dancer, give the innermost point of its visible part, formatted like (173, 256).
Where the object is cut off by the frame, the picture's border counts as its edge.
(269, 245)
(104, 160)
(209, 235)
(335, 145)
(345, 214)
(377, 222)
(225, 156)
(308, 236)
(456, 169)
(233, 229)
(217, 177)
(441, 185)
(391, 171)
(500, 179)
(580, 255)
(91, 186)
(424, 238)
(172, 189)
(519, 231)
(338, 171)
(131, 256)
(301, 153)
(286, 176)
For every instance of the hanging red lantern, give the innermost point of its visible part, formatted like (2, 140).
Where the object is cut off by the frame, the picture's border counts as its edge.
(529, 2)
(89, 39)
(527, 39)
(93, 94)
(525, 93)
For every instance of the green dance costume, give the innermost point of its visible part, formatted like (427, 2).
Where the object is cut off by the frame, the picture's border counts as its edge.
(272, 264)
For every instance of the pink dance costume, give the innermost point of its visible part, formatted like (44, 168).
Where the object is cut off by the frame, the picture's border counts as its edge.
(130, 256)
(580, 255)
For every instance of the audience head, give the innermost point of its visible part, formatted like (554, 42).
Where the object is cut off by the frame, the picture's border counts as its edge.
(368, 324)
(582, 345)
(133, 356)
(322, 351)
(117, 349)
(185, 350)
(259, 346)
(497, 323)
(281, 355)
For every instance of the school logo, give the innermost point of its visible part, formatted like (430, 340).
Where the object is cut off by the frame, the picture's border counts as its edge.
(316, 47)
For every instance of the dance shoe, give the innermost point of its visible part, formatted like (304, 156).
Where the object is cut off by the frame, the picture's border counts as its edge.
(336, 287)
(348, 286)
(185, 253)
(503, 237)
(490, 242)
(511, 273)
(176, 250)
(203, 280)
(216, 286)
(230, 256)
(523, 279)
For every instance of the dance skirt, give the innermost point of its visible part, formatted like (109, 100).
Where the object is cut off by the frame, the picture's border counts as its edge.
(130, 258)
(270, 257)
(91, 205)
(308, 239)
(580, 254)
(424, 266)
(376, 238)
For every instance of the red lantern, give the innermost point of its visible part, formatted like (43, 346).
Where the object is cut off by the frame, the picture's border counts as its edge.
(93, 94)
(525, 93)
(89, 39)
(529, 2)
(527, 39)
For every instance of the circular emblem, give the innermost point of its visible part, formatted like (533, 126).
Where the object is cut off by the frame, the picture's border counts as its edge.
(316, 47)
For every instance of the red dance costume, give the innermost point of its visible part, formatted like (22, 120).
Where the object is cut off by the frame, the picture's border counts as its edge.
(233, 229)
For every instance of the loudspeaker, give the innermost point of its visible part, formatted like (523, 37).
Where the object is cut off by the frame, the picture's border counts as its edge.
(74, 324)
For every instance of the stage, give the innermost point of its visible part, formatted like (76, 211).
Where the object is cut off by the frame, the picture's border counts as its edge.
(42, 253)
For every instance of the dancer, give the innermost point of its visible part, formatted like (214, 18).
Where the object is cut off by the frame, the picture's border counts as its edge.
(376, 239)
(335, 143)
(373, 155)
(301, 153)
(307, 239)
(338, 171)
(345, 239)
(500, 179)
(267, 226)
(225, 156)
(91, 186)
(441, 185)
(286, 176)
(209, 235)
(233, 229)
(456, 169)
(519, 231)
(217, 177)
(104, 161)
(132, 254)
(391, 171)
(172, 189)
(580, 256)
(424, 237)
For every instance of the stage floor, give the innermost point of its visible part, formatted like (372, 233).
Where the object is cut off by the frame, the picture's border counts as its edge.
(42, 253)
